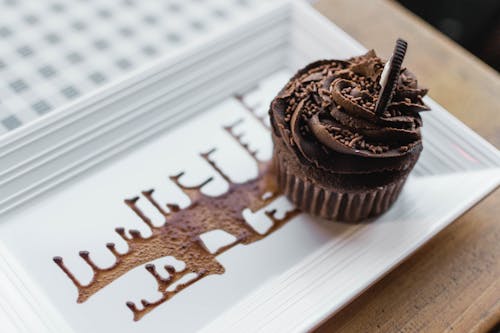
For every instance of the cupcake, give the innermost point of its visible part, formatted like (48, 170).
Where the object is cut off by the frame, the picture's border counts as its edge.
(346, 135)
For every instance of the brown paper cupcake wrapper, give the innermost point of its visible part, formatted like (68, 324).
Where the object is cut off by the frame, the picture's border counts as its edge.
(333, 205)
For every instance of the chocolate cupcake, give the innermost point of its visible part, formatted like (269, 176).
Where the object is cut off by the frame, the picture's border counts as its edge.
(347, 134)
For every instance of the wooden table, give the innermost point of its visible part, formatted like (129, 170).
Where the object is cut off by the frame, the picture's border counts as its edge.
(453, 282)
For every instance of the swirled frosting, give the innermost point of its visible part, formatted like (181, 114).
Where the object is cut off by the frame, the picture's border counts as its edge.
(326, 114)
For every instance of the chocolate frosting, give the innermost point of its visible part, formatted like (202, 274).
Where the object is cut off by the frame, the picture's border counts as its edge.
(326, 115)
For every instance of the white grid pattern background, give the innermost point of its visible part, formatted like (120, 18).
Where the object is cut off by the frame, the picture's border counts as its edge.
(53, 52)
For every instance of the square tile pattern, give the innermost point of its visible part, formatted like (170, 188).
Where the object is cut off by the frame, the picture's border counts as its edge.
(53, 52)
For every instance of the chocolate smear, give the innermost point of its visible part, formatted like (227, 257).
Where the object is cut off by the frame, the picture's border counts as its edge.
(179, 236)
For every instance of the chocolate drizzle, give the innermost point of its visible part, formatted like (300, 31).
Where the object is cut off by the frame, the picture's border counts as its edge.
(326, 114)
(179, 236)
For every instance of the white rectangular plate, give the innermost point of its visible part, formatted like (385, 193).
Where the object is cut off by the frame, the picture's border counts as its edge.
(63, 181)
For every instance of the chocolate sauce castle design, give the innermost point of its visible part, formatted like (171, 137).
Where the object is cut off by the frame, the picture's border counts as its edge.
(179, 236)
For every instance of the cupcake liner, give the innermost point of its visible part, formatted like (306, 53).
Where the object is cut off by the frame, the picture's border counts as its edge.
(331, 204)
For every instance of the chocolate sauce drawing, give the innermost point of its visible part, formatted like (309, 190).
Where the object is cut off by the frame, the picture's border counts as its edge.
(179, 236)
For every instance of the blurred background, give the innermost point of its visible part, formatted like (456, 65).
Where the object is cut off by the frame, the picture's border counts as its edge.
(53, 52)
(474, 24)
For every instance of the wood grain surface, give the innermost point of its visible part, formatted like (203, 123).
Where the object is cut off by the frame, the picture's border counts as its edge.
(452, 284)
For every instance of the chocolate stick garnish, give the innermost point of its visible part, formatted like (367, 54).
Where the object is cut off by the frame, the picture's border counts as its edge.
(390, 75)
